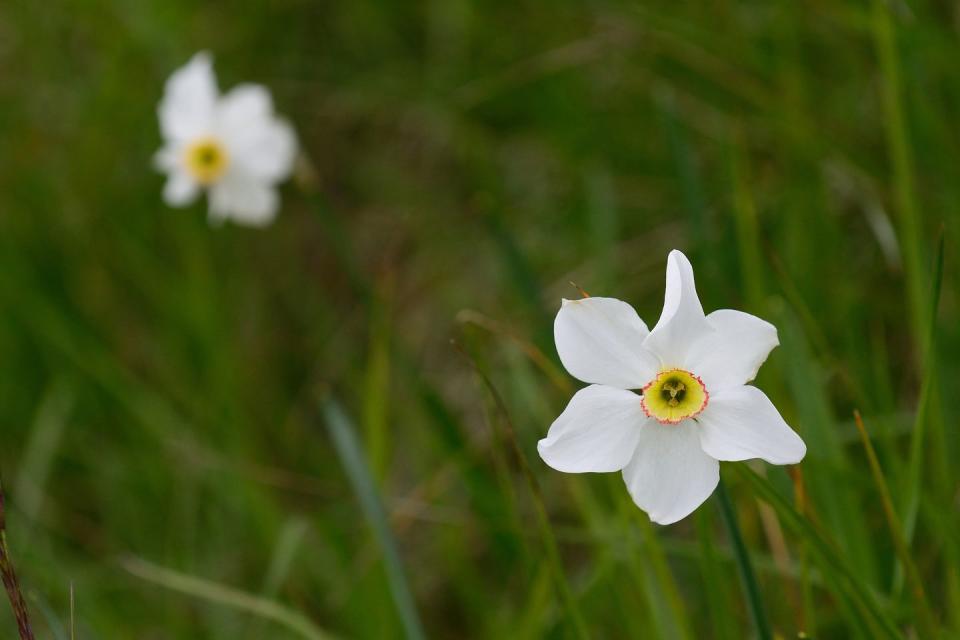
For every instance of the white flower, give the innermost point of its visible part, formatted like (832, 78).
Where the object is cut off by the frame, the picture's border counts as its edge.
(694, 407)
(232, 145)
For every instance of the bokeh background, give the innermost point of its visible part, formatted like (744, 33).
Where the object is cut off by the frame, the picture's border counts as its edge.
(166, 385)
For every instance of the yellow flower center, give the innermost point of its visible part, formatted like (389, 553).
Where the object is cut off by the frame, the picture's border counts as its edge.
(674, 395)
(206, 160)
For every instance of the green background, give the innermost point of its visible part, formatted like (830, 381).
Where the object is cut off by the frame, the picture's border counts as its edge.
(166, 385)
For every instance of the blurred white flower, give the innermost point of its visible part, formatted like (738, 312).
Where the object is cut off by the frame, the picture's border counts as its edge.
(694, 407)
(233, 145)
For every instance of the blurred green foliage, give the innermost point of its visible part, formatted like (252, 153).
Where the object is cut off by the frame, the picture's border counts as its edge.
(160, 379)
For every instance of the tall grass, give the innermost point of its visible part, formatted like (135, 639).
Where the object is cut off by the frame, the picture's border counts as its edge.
(463, 163)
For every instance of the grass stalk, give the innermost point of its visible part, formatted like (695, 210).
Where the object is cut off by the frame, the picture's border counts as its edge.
(10, 582)
(376, 384)
(751, 591)
(747, 225)
(927, 622)
(661, 586)
(718, 604)
(543, 520)
(852, 588)
(808, 620)
(901, 158)
(918, 435)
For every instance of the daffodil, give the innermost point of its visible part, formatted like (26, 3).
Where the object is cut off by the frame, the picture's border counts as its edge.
(231, 145)
(665, 405)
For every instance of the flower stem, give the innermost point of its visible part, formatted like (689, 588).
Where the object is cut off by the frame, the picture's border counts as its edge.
(751, 591)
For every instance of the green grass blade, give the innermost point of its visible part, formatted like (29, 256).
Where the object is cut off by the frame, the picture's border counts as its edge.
(543, 519)
(348, 449)
(286, 552)
(901, 157)
(752, 267)
(927, 623)
(828, 559)
(37, 461)
(918, 444)
(661, 587)
(684, 164)
(376, 384)
(603, 217)
(521, 275)
(827, 454)
(49, 616)
(226, 596)
(284, 556)
(547, 366)
(338, 241)
(751, 590)
(718, 602)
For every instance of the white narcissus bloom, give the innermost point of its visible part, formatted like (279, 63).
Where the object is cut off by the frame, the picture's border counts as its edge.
(665, 405)
(233, 145)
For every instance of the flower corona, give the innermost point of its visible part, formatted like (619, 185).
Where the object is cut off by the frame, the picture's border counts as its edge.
(673, 396)
(206, 160)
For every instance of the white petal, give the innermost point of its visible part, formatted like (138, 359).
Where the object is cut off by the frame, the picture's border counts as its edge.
(180, 189)
(741, 423)
(264, 145)
(267, 150)
(600, 341)
(243, 199)
(669, 475)
(276, 150)
(596, 432)
(244, 104)
(682, 321)
(168, 158)
(733, 353)
(189, 100)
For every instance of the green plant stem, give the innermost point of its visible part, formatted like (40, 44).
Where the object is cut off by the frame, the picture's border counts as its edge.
(751, 591)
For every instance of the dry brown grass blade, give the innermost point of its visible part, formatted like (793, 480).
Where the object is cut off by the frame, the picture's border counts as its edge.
(10, 582)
